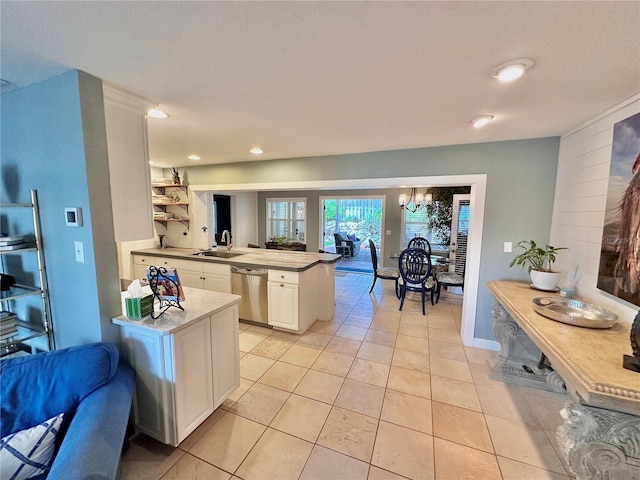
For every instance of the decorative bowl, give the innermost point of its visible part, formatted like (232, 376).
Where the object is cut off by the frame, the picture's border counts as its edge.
(574, 312)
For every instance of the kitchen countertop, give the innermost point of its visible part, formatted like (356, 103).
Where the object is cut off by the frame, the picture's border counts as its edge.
(197, 304)
(249, 258)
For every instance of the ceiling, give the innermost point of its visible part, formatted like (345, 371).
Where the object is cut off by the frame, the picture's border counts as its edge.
(302, 79)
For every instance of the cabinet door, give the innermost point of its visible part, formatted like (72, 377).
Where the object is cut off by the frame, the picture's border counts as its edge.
(217, 283)
(225, 355)
(190, 279)
(193, 377)
(139, 271)
(283, 305)
(217, 277)
(152, 402)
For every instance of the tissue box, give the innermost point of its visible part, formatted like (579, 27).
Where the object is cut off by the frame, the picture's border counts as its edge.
(138, 307)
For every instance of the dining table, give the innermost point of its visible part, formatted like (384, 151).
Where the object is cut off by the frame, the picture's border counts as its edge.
(440, 258)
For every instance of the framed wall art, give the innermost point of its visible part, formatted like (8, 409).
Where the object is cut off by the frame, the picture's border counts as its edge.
(619, 270)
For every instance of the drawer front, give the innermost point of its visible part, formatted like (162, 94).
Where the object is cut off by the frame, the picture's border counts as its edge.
(190, 265)
(217, 268)
(155, 261)
(282, 276)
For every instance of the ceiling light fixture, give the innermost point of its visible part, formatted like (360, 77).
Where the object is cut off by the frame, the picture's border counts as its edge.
(157, 113)
(193, 157)
(256, 151)
(151, 162)
(512, 70)
(415, 201)
(481, 120)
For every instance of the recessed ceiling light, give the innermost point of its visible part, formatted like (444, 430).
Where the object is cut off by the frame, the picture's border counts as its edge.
(256, 151)
(193, 157)
(157, 113)
(512, 70)
(481, 120)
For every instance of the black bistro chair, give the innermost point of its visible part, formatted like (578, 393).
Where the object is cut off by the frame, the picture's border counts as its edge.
(383, 273)
(420, 242)
(423, 243)
(414, 265)
(448, 279)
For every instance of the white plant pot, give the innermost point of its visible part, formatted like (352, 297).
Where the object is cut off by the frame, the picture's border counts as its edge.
(545, 280)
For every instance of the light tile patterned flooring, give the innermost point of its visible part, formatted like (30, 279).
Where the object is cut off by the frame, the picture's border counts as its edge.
(375, 394)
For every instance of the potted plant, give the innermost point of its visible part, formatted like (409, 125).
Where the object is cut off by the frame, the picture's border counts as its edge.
(540, 261)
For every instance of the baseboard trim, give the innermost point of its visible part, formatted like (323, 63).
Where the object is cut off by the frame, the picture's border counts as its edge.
(486, 344)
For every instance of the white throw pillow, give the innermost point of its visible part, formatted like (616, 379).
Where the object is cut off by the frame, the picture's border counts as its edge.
(27, 453)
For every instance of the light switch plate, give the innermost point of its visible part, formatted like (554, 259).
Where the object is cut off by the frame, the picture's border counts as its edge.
(79, 249)
(388, 232)
(508, 247)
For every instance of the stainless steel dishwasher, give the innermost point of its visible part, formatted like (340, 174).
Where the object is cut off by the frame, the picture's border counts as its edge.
(251, 283)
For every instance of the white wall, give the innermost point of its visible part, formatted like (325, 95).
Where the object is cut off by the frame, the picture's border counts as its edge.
(245, 218)
(579, 206)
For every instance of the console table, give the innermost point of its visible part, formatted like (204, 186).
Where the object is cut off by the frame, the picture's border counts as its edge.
(600, 436)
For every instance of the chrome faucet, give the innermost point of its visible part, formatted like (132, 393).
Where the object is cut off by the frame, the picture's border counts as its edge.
(227, 235)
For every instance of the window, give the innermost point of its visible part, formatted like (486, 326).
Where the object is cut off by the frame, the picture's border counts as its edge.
(286, 219)
(416, 224)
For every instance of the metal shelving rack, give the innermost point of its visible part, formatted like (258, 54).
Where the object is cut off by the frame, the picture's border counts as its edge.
(28, 333)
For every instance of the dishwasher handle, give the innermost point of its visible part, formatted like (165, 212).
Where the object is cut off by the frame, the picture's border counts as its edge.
(262, 272)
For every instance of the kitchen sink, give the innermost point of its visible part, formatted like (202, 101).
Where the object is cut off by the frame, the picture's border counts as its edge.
(211, 253)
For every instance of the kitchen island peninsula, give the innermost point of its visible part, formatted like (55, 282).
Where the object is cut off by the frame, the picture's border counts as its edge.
(187, 362)
(300, 285)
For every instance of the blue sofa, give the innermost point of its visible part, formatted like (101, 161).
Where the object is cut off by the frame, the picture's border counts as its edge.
(93, 390)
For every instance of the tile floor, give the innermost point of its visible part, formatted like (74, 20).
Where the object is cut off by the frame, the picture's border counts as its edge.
(375, 394)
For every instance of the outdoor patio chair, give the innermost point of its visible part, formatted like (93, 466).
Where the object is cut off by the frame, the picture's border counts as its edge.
(414, 265)
(383, 273)
(342, 246)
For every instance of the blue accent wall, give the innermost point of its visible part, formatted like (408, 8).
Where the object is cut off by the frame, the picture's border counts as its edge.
(54, 141)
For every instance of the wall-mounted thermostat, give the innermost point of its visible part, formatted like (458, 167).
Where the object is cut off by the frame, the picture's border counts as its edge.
(73, 216)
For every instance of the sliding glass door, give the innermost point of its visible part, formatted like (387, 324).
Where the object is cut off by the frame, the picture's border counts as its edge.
(356, 219)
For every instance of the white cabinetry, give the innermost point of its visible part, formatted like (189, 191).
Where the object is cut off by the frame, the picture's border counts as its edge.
(126, 126)
(291, 299)
(193, 376)
(141, 262)
(283, 305)
(225, 355)
(206, 275)
(182, 377)
(215, 277)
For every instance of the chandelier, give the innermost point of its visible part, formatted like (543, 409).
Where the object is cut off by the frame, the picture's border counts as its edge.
(419, 200)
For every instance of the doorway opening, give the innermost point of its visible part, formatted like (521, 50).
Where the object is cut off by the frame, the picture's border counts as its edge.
(347, 224)
(478, 186)
(221, 216)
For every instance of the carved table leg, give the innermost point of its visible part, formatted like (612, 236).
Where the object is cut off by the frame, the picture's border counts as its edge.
(600, 444)
(519, 358)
